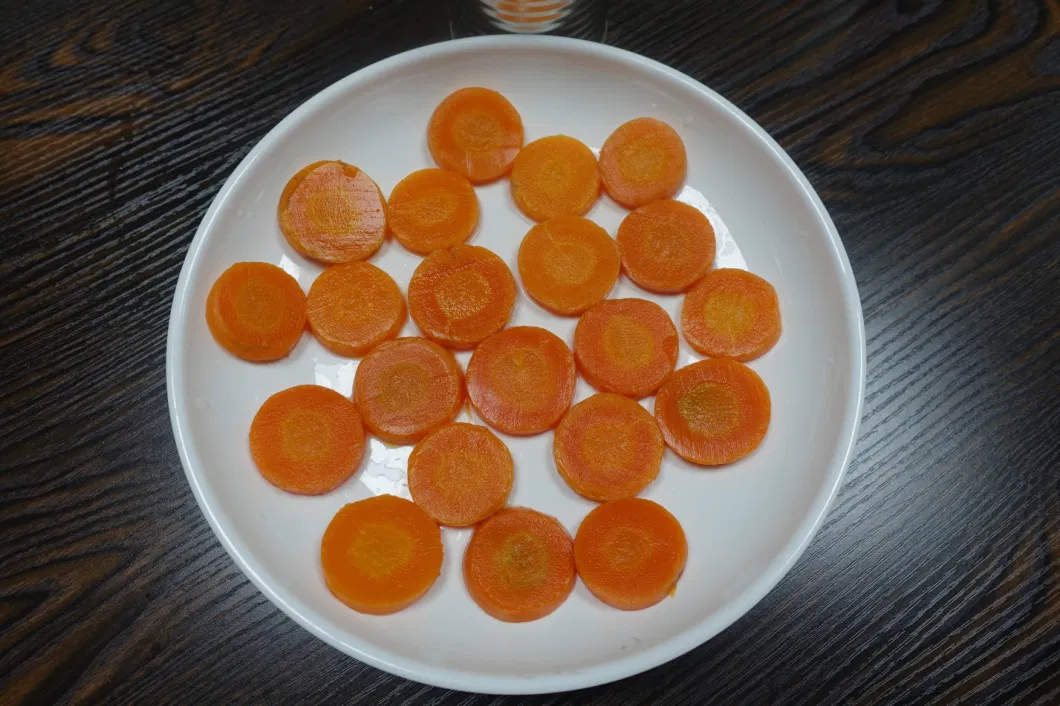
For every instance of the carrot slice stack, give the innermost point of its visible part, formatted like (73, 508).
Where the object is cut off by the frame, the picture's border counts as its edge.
(519, 565)
(333, 212)
(567, 264)
(460, 474)
(475, 132)
(642, 161)
(627, 346)
(555, 176)
(666, 246)
(521, 380)
(630, 553)
(731, 314)
(256, 311)
(713, 412)
(406, 388)
(381, 554)
(432, 209)
(354, 307)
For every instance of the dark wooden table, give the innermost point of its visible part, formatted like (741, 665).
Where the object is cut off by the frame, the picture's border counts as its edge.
(930, 129)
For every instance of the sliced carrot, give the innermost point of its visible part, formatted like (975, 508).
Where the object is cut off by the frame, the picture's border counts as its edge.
(713, 412)
(642, 161)
(256, 311)
(381, 555)
(555, 176)
(475, 132)
(333, 212)
(406, 388)
(567, 264)
(432, 209)
(519, 565)
(307, 439)
(521, 380)
(666, 246)
(460, 474)
(627, 346)
(630, 553)
(731, 314)
(460, 296)
(608, 447)
(354, 307)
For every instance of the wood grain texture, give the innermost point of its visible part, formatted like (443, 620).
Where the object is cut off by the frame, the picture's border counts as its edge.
(930, 129)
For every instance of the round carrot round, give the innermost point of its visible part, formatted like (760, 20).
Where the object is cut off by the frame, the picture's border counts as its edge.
(521, 380)
(256, 311)
(567, 264)
(627, 346)
(432, 209)
(354, 307)
(406, 388)
(460, 474)
(555, 176)
(519, 565)
(731, 314)
(630, 553)
(475, 132)
(608, 447)
(666, 246)
(333, 212)
(381, 554)
(642, 161)
(460, 296)
(307, 439)
(713, 412)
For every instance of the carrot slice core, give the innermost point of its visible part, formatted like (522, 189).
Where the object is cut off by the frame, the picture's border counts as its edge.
(256, 311)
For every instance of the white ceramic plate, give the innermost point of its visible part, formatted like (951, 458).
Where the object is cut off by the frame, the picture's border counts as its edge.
(746, 523)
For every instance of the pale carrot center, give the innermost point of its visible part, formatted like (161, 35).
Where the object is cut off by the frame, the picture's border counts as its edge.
(406, 386)
(260, 305)
(642, 160)
(710, 409)
(609, 446)
(730, 314)
(379, 550)
(521, 561)
(463, 293)
(627, 548)
(477, 130)
(570, 263)
(433, 209)
(523, 372)
(306, 435)
(628, 342)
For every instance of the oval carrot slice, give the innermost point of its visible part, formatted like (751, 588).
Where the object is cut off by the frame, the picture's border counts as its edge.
(475, 132)
(354, 307)
(460, 474)
(608, 447)
(406, 388)
(333, 212)
(460, 296)
(627, 346)
(256, 311)
(381, 554)
(630, 553)
(519, 565)
(642, 161)
(432, 209)
(521, 380)
(731, 314)
(666, 246)
(555, 176)
(307, 439)
(567, 264)
(713, 412)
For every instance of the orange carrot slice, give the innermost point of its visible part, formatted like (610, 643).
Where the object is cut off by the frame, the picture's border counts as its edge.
(567, 264)
(460, 296)
(642, 161)
(608, 447)
(333, 212)
(475, 132)
(432, 209)
(460, 474)
(555, 176)
(666, 246)
(307, 439)
(381, 555)
(731, 314)
(627, 346)
(630, 553)
(713, 412)
(519, 565)
(406, 388)
(256, 311)
(354, 307)
(521, 380)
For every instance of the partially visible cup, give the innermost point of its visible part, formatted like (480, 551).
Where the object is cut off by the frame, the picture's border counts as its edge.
(583, 19)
